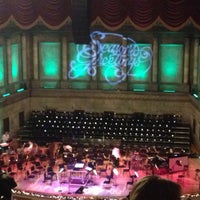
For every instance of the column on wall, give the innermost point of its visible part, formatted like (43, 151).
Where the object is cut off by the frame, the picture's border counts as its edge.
(124, 84)
(94, 65)
(186, 61)
(195, 71)
(27, 59)
(9, 72)
(35, 62)
(195, 61)
(3, 68)
(64, 62)
(24, 56)
(155, 64)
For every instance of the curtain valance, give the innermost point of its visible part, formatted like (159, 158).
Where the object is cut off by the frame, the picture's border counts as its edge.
(113, 14)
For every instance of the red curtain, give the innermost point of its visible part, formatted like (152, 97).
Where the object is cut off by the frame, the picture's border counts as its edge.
(27, 13)
(113, 14)
(144, 14)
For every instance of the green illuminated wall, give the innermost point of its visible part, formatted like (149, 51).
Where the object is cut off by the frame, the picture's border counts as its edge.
(1, 66)
(139, 71)
(109, 66)
(109, 61)
(50, 60)
(171, 63)
(79, 61)
(15, 62)
(111, 69)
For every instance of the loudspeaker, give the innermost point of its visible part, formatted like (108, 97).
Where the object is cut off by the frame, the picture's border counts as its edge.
(80, 21)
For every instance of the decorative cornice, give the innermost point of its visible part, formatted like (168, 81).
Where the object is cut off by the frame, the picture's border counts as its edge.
(126, 95)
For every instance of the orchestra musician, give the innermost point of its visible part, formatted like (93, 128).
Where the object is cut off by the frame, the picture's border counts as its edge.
(115, 157)
(5, 137)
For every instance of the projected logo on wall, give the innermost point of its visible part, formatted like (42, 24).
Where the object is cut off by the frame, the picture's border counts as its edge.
(116, 60)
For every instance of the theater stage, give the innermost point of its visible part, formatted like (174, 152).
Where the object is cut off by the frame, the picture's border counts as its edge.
(95, 186)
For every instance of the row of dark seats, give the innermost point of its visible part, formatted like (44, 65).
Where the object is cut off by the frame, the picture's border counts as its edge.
(130, 128)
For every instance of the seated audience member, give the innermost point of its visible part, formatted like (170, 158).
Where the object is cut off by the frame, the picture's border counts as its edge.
(155, 188)
(7, 183)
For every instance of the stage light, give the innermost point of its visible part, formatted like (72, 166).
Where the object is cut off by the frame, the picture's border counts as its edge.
(6, 94)
(139, 90)
(169, 91)
(20, 90)
(195, 95)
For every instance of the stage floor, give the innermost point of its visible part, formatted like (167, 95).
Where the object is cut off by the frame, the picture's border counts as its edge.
(96, 187)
